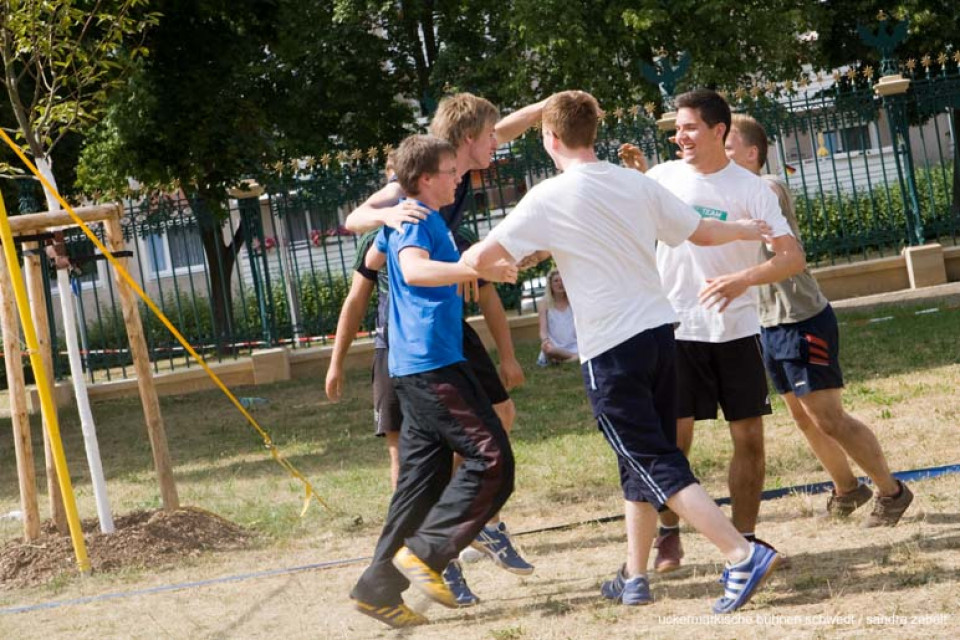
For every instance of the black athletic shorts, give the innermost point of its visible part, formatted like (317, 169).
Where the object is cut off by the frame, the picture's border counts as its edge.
(802, 357)
(479, 360)
(730, 374)
(386, 407)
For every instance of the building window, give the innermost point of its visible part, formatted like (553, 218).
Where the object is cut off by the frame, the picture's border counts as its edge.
(848, 140)
(175, 251)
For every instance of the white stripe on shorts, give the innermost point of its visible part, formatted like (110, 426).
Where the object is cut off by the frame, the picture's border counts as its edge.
(614, 439)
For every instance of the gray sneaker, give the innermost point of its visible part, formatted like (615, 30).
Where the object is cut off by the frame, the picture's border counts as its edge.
(887, 510)
(843, 506)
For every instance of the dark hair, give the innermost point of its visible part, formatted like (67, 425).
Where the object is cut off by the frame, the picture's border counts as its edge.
(418, 155)
(711, 106)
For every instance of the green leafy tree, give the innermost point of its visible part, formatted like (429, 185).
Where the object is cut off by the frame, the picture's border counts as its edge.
(61, 59)
(231, 88)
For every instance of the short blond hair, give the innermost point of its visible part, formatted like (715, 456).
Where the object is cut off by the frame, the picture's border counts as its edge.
(462, 116)
(416, 156)
(572, 117)
(753, 135)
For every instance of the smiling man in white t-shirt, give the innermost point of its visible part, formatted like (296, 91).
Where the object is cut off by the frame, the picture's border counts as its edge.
(601, 223)
(718, 347)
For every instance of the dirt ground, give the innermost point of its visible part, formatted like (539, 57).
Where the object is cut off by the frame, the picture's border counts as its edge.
(845, 582)
(142, 539)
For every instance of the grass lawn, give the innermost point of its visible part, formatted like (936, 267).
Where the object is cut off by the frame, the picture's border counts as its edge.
(902, 378)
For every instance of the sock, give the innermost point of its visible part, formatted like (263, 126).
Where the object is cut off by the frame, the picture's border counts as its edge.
(668, 530)
(751, 537)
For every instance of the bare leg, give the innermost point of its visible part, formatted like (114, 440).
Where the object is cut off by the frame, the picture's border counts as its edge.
(641, 520)
(696, 507)
(393, 448)
(825, 408)
(747, 471)
(684, 442)
(828, 451)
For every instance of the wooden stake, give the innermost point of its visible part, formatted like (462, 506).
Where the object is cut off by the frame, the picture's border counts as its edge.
(141, 363)
(17, 392)
(35, 222)
(38, 309)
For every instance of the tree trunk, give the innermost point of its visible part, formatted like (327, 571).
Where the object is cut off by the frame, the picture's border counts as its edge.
(221, 259)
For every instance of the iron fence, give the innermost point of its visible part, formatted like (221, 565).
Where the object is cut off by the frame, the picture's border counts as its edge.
(871, 175)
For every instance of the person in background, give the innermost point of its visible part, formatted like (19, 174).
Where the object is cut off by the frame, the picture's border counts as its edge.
(558, 335)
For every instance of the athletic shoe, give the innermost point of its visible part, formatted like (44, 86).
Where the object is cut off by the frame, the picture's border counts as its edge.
(887, 510)
(424, 578)
(496, 543)
(397, 616)
(629, 591)
(843, 506)
(453, 576)
(470, 555)
(669, 552)
(740, 581)
(784, 560)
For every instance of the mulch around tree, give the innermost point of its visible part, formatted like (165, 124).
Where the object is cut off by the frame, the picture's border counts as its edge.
(141, 539)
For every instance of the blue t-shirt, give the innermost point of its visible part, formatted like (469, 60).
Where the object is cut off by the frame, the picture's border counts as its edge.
(425, 322)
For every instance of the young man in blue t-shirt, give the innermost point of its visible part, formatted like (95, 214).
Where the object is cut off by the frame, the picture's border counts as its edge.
(433, 517)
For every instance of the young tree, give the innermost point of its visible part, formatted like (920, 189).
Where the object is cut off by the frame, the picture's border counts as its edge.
(61, 59)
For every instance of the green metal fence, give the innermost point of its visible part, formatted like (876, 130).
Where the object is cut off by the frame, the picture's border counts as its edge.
(871, 175)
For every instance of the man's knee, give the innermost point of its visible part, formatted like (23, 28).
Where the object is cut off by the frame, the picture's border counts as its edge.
(826, 411)
(747, 437)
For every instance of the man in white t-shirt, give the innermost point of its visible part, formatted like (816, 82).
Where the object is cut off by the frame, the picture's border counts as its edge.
(718, 346)
(601, 223)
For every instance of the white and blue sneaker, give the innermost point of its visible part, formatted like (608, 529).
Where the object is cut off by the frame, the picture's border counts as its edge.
(453, 577)
(740, 581)
(629, 591)
(496, 543)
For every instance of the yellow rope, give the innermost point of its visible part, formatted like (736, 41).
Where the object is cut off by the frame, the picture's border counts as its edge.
(310, 492)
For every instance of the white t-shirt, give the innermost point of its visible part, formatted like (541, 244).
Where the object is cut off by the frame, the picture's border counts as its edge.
(601, 223)
(731, 194)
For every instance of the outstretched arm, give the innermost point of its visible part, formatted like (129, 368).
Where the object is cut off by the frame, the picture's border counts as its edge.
(712, 232)
(513, 125)
(788, 261)
(384, 208)
(420, 271)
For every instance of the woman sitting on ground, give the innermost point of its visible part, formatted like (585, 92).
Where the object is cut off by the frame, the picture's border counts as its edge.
(558, 337)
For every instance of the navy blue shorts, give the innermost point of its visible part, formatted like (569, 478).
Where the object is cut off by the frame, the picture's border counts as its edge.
(633, 391)
(802, 357)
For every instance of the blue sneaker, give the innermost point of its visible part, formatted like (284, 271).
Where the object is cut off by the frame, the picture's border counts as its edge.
(630, 591)
(496, 543)
(453, 576)
(740, 581)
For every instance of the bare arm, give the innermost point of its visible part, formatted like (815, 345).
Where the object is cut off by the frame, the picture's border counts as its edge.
(351, 315)
(496, 318)
(713, 232)
(788, 261)
(485, 254)
(420, 271)
(384, 208)
(513, 125)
